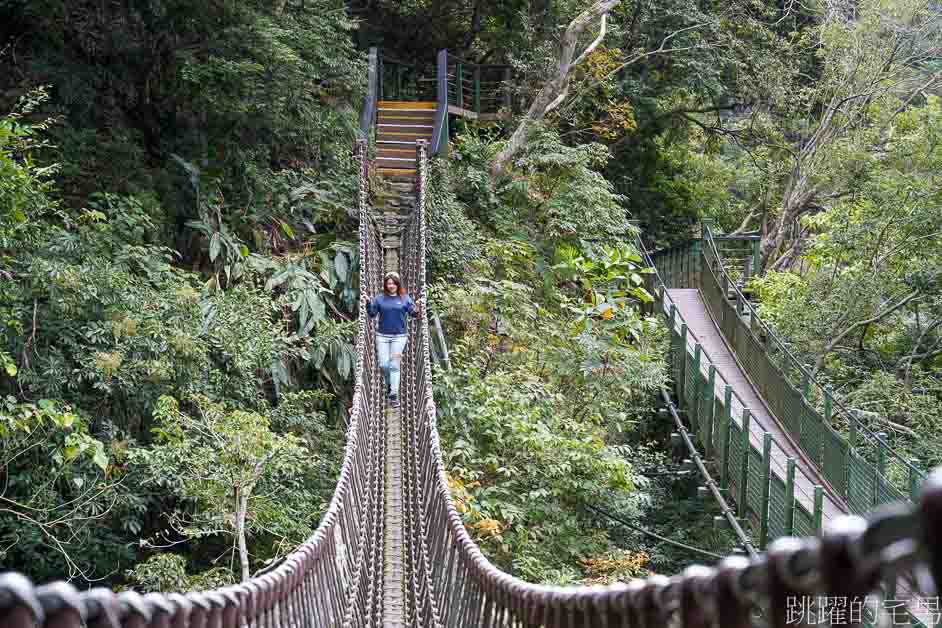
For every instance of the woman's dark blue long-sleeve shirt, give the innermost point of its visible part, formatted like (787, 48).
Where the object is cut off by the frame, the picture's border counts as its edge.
(392, 313)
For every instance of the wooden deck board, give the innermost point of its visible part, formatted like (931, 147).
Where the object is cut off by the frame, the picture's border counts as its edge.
(703, 330)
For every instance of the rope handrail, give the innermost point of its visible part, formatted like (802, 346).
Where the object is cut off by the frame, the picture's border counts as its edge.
(336, 577)
(853, 421)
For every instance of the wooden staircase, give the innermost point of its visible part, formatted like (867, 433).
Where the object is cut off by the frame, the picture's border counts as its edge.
(398, 125)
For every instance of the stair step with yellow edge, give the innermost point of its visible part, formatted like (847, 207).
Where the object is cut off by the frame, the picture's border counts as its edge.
(403, 172)
(415, 105)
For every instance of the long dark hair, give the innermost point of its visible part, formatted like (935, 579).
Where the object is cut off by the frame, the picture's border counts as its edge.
(395, 279)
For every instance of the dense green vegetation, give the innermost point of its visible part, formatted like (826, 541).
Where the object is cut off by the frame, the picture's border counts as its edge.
(179, 265)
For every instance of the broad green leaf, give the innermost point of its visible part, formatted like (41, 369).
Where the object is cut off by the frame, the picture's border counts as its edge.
(214, 245)
(100, 458)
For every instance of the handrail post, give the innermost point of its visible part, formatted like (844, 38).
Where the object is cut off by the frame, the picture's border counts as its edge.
(913, 479)
(790, 497)
(727, 432)
(828, 404)
(818, 508)
(507, 90)
(711, 410)
(694, 413)
(476, 74)
(744, 463)
(881, 467)
(756, 257)
(369, 108)
(440, 131)
(697, 263)
(766, 480)
(459, 84)
(399, 69)
(681, 378)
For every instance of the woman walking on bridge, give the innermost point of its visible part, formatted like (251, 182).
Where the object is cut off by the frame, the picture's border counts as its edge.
(392, 306)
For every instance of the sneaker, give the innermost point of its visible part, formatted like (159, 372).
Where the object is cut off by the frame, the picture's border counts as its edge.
(393, 401)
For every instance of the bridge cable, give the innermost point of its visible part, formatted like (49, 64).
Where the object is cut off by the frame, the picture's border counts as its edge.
(655, 535)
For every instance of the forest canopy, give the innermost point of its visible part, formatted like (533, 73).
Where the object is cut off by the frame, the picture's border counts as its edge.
(179, 262)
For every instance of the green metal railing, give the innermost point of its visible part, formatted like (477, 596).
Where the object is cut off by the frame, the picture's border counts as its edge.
(400, 80)
(773, 498)
(863, 468)
(479, 88)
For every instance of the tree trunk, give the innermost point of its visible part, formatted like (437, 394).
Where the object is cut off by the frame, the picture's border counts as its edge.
(555, 89)
(242, 507)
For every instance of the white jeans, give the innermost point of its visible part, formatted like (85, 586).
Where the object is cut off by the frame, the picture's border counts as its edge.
(389, 355)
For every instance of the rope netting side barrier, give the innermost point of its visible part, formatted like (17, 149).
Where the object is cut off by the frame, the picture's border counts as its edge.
(450, 582)
(333, 579)
(336, 578)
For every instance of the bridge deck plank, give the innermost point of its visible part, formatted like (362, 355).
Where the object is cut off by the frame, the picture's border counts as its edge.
(703, 330)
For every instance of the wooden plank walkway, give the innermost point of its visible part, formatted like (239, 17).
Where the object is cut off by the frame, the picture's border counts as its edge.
(702, 329)
(393, 573)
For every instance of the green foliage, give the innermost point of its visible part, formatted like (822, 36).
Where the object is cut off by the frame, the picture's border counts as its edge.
(166, 573)
(234, 474)
(556, 191)
(65, 503)
(560, 384)
(865, 310)
(24, 185)
(454, 241)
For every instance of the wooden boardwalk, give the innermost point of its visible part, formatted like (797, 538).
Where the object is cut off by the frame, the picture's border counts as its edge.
(702, 329)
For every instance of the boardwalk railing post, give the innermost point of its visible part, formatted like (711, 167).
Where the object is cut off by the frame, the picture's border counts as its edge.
(697, 254)
(694, 412)
(708, 397)
(727, 432)
(790, 497)
(681, 377)
(755, 257)
(880, 479)
(828, 409)
(508, 90)
(766, 480)
(744, 463)
(440, 132)
(477, 89)
(818, 508)
(459, 84)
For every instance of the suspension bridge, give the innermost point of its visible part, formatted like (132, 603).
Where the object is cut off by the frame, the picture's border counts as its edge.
(392, 550)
